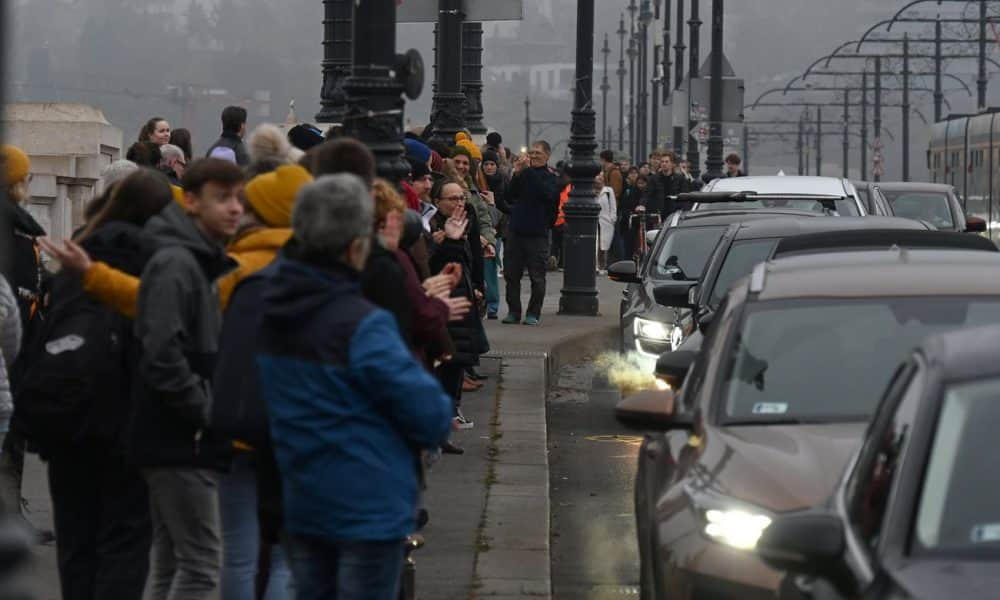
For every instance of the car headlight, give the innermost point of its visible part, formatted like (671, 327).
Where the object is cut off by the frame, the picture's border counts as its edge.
(728, 521)
(651, 330)
(736, 528)
(676, 337)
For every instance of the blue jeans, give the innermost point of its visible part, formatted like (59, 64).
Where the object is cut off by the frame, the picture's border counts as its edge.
(491, 273)
(327, 570)
(241, 538)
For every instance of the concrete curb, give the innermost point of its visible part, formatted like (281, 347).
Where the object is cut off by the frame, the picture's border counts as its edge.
(513, 556)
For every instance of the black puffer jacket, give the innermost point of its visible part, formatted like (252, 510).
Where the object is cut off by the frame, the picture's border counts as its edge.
(466, 334)
(22, 267)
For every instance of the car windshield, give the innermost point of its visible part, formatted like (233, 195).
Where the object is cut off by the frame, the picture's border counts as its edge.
(830, 360)
(865, 198)
(933, 207)
(739, 262)
(959, 510)
(844, 207)
(684, 252)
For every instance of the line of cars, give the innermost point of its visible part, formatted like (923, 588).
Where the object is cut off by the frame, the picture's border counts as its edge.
(791, 326)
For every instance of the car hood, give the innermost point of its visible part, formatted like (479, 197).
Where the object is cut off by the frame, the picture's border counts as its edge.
(780, 468)
(954, 579)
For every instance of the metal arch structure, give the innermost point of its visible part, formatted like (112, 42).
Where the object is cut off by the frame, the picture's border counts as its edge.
(965, 86)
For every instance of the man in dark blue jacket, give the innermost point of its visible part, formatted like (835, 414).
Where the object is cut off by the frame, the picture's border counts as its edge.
(534, 202)
(348, 403)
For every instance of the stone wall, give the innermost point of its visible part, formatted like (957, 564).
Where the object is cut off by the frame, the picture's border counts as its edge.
(69, 145)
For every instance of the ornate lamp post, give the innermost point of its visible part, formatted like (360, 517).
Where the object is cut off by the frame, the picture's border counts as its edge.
(714, 161)
(472, 76)
(579, 292)
(621, 82)
(606, 51)
(375, 110)
(337, 51)
(448, 110)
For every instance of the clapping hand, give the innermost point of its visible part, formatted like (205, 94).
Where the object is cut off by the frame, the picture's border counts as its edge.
(438, 285)
(458, 307)
(454, 227)
(70, 256)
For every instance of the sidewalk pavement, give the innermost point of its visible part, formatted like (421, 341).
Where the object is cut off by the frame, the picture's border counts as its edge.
(488, 536)
(503, 552)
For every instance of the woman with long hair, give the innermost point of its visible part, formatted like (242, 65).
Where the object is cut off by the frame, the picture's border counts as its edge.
(182, 139)
(156, 130)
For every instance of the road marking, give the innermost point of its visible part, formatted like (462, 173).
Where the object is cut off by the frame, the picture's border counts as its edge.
(619, 439)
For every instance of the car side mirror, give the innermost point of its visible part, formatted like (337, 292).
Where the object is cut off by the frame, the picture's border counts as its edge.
(624, 271)
(651, 410)
(673, 367)
(705, 319)
(807, 544)
(675, 294)
(975, 225)
(651, 237)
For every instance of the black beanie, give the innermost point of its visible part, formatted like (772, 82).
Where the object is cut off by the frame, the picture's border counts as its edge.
(491, 156)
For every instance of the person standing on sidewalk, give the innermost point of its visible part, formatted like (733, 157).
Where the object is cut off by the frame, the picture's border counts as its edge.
(534, 200)
(178, 322)
(493, 189)
(344, 449)
(234, 127)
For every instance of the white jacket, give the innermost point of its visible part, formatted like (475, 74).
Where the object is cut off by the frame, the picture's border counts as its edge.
(10, 342)
(609, 215)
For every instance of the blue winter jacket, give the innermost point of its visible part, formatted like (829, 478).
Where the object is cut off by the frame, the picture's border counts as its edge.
(348, 404)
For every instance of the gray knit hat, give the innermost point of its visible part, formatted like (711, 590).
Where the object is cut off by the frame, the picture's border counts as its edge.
(116, 171)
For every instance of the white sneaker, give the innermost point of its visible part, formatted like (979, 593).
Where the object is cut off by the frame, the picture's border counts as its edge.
(462, 423)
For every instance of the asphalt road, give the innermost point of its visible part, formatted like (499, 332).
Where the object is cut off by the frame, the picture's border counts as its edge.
(592, 470)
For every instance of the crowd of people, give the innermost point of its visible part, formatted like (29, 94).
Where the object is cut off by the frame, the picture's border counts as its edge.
(241, 364)
(245, 361)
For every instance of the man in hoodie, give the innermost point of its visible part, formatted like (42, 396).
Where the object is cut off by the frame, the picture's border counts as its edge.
(347, 401)
(177, 324)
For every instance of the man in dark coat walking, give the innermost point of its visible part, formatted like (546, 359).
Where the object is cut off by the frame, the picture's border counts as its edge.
(234, 127)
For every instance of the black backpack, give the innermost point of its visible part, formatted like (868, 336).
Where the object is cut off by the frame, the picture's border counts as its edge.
(74, 369)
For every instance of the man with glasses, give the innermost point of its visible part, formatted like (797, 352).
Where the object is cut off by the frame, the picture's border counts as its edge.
(534, 200)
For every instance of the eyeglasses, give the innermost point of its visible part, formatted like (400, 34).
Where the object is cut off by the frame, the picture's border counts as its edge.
(460, 198)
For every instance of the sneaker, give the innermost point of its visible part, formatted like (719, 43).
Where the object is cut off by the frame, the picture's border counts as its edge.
(531, 320)
(492, 316)
(461, 422)
(450, 448)
(511, 319)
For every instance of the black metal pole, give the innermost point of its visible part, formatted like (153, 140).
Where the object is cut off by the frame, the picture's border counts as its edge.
(800, 144)
(877, 120)
(621, 83)
(819, 140)
(448, 110)
(472, 76)
(847, 134)
(694, 58)
(864, 126)
(527, 122)
(633, 53)
(679, 47)
(906, 107)
(665, 84)
(337, 51)
(579, 292)
(938, 66)
(746, 149)
(644, 17)
(714, 161)
(981, 79)
(654, 133)
(375, 110)
(606, 51)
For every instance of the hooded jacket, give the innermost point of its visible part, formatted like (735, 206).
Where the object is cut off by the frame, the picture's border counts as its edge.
(10, 343)
(177, 324)
(25, 273)
(347, 401)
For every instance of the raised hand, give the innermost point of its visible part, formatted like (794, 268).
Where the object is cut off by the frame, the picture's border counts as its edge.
(458, 307)
(70, 256)
(454, 227)
(439, 284)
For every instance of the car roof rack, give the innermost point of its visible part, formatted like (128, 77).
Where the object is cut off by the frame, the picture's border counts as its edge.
(859, 239)
(747, 196)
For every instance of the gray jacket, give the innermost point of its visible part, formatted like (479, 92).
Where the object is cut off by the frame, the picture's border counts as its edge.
(178, 321)
(10, 343)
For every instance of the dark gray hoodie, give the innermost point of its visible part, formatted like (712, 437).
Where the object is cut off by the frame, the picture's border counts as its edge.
(178, 321)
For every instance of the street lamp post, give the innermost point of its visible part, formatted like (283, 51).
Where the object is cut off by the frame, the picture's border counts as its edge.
(694, 57)
(527, 122)
(877, 121)
(714, 162)
(375, 109)
(606, 51)
(679, 47)
(906, 108)
(981, 80)
(938, 94)
(864, 125)
(800, 144)
(819, 140)
(621, 82)
(579, 292)
(337, 51)
(472, 76)
(645, 18)
(448, 110)
(633, 53)
(655, 106)
(665, 84)
(847, 140)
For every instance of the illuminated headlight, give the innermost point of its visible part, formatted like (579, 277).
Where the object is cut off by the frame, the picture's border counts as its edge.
(651, 330)
(736, 528)
(661, 385)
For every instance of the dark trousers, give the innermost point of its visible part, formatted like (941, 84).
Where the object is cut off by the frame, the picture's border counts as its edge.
(451, 377)
(522, 253)
(557, 246)
(103, 532)
(345, 570)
